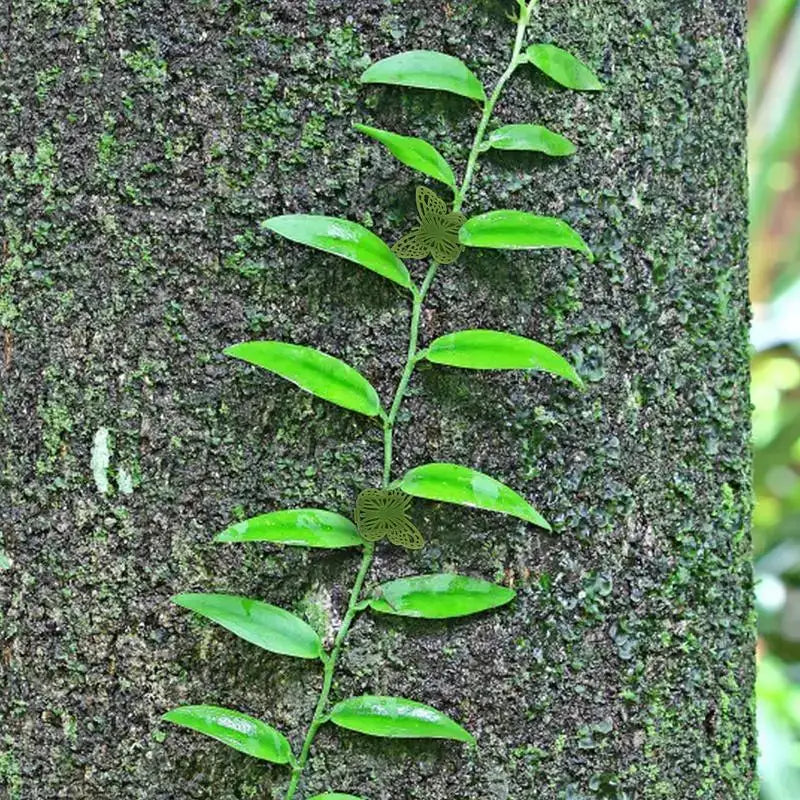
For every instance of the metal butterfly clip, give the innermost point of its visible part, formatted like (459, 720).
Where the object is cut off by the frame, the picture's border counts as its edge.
(383, 513)
(437, 232)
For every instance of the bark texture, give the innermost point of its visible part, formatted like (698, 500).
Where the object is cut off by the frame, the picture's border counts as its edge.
(140, 145)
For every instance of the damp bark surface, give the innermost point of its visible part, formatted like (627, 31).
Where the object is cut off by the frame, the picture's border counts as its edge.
(141, 143)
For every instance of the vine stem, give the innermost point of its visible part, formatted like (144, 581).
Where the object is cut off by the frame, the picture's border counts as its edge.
(414, 354)
(517, 58)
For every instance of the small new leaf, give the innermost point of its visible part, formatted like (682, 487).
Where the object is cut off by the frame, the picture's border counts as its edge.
(426, 69)
(414, 153)
(397, 718)
(563, 67)
(315, 372)
(261, 624)
(451, 483)
(239, 731)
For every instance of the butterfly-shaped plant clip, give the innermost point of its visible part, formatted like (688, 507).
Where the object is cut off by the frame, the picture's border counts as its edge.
(383, 513)
(437, 232)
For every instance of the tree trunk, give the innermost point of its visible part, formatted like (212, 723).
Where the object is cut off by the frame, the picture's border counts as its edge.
(141, 144)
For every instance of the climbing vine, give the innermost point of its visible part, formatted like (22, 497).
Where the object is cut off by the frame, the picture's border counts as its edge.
(440, 234)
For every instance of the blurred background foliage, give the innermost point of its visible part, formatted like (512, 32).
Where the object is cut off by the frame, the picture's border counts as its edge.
(774, 100)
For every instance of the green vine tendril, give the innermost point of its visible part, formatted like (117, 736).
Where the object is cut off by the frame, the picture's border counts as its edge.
(413, 356)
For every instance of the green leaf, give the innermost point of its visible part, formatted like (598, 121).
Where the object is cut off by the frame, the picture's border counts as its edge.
(318, 373)
(397, 718)
(529, 137)
(426, 69)
(242, 733)
(342, 238)
(334, 796)
(563, 67)
(439, 596)
(414, 153)
(519, 230)
(266, 626)
(463, 486)
(482, 349)
(307, 527)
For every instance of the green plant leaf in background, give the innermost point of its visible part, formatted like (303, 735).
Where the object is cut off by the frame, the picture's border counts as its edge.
(439, 596)
(563, 67)
(397, 718)
(242, 733)
(305, 527)
(414, 153)
(483, 349)
(342, 238)
(318, 373)
(536, 138)
(426, 69)
(463, 486)
(519, 230)
(261, 624)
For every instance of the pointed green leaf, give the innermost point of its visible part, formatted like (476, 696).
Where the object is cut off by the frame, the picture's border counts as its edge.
(266, 626)
(242, 733)
(519, 230)
(307, 527)
(318, 373)
(482, 349)
(334, 796)
(563, 67)
(426, 69)
(342, 238)
(414, 153)
(397, 718)
(529, 137)
(439, 596)
(463, 486)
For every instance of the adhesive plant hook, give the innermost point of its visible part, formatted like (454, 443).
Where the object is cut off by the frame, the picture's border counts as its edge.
(383, 513)
(437, 232)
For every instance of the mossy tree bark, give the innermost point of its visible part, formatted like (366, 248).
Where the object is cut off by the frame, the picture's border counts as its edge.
(141, 144)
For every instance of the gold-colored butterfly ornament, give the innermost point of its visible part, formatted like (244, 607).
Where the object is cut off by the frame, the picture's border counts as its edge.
(437, 232)
(383, 513)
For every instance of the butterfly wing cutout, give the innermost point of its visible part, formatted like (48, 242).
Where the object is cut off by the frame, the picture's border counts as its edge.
(446, 251)
(453, 221)
(396, 501)
(368, 518)
(404, 533)
(412, 245)
(430, 207)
